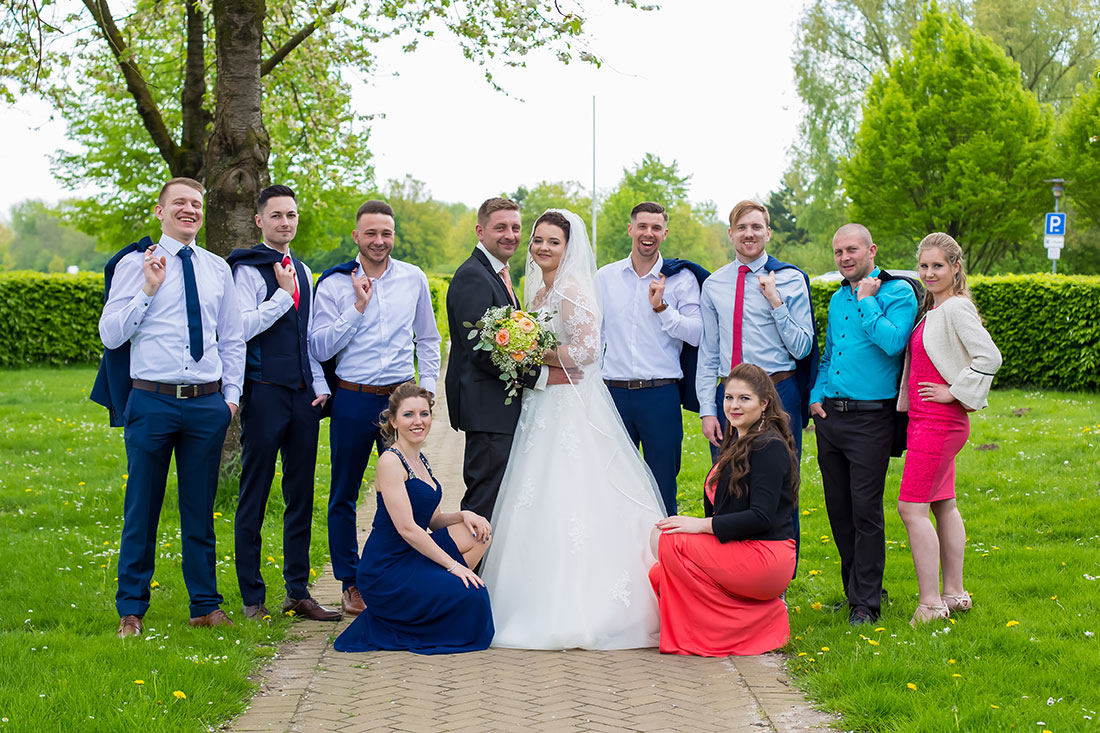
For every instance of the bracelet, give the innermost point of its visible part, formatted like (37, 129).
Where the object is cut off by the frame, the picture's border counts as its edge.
(453, 566)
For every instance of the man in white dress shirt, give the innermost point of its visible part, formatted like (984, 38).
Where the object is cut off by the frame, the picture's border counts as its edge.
(284, 390)
(176, 306)
(647, 318)
(372, 315)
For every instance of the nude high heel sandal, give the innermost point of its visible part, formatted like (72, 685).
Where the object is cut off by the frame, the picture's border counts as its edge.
(926, 613)
(957, 603)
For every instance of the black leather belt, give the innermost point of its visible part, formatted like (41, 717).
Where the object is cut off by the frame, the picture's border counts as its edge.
(179, 391)
(844, 405)
(638, 383)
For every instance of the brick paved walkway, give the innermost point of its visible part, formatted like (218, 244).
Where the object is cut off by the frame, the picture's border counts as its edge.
(311, 687)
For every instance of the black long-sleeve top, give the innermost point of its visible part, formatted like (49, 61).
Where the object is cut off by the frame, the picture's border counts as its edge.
(764, 512)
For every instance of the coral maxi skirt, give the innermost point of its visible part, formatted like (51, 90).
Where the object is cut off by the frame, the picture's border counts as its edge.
(718, 599)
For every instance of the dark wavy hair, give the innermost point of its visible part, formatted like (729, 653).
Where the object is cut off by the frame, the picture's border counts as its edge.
(406, 391)
(553, 217)
(732, 466)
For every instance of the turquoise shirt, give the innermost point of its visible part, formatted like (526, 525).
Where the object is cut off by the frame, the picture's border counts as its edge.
(865, 342)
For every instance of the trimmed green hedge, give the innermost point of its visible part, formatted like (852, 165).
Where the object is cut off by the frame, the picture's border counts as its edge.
(1047, 326)
(50, 319)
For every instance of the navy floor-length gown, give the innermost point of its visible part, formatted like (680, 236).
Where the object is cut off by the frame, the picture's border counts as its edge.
(413, 603)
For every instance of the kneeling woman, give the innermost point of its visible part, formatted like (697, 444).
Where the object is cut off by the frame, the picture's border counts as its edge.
(719, 579)
(420, 593)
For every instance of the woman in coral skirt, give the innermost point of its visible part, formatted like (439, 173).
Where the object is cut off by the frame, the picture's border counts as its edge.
(948, 371)
(719, 579)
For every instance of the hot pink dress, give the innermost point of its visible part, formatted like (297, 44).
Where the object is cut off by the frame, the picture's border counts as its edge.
(937, 432)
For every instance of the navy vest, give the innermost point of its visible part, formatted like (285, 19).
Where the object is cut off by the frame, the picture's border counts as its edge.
(279, 354)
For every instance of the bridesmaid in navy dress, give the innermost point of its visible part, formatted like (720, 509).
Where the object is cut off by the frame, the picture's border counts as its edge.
(420, 592)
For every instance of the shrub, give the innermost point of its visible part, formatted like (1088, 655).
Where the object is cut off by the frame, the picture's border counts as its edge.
(1047, 326)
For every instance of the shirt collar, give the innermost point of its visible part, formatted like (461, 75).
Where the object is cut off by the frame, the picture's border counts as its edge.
(756, 264)
(172, 246)
(496, 264)
(387, 271)
(654, 272)
(273, 249)
(845, 284)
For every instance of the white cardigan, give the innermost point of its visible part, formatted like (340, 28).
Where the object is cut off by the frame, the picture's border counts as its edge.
(961, 350)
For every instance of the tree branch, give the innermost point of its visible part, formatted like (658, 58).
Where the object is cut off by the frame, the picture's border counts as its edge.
(147, 108)
(283, 51)
(195, 116)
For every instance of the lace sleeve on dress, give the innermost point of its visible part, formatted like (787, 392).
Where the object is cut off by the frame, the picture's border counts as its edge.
(580, 344)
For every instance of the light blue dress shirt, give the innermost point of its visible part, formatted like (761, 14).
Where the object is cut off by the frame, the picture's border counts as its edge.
(865, 342)
(377, 346)
(156, 326)
(641, 344)
(770, 338)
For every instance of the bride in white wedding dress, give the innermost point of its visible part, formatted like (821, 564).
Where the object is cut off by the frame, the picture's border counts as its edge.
(569, 563)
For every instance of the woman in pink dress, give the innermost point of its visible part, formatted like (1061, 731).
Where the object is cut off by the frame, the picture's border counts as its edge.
(719, 579)
(949, 368)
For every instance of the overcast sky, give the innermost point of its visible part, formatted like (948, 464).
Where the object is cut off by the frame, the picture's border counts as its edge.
(707, 83)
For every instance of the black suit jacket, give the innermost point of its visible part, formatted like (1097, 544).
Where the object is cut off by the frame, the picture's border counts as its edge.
(475, 392)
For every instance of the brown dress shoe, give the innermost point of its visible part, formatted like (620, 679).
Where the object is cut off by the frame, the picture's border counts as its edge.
(258, 612)
(129, 626)
(216, 617)
(311, 609)
(352, 602)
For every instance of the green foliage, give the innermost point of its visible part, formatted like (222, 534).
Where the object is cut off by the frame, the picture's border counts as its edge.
(950, 142)
(1046, 327)
(842, 44)
(50, 319)
(1079, 145)
(551, 195)
(437, 285)
(42, 241)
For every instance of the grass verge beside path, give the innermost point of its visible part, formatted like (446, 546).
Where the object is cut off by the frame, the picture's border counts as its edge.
(62, 479)
(1027, 657)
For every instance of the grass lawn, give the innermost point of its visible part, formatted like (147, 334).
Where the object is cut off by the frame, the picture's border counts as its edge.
(1027, 657)
(62, 477)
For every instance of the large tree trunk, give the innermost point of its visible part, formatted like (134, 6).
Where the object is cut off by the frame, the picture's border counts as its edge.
(236, 156)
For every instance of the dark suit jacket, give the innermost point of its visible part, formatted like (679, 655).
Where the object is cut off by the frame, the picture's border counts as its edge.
(475, 392)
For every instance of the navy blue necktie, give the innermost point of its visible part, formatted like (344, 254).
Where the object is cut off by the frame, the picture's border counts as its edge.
(191, 293)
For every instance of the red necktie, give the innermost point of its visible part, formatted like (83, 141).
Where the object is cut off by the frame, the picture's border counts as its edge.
(738, 310)
(286, 263)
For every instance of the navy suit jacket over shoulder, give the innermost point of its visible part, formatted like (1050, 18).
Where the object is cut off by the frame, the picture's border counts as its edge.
(689, 355)
(805, 371)
(112, 382)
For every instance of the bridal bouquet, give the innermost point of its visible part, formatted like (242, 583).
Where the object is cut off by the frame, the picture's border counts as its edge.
(515, 340)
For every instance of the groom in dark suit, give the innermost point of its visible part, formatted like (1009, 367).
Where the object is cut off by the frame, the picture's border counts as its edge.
(475, 392)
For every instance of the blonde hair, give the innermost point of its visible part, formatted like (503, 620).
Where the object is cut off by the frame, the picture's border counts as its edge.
(745, 207)
(953, 253)
(189, 182)
(406, 391)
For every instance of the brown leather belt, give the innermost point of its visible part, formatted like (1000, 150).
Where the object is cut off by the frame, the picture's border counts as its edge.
(776, 378)
(638, 383)
(387, 389)
(179, 391)
(780, 376)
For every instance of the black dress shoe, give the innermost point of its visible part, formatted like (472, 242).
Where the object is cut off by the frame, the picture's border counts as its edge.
(861, 615)
(311, 609)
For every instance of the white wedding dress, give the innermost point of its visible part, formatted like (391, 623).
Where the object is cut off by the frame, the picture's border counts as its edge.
(569, 563)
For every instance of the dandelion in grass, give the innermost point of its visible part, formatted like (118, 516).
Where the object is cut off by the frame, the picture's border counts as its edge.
(872, 642)
(816, 606)
(957, 675)
(178, 694)
(910, 685)
(815, 572)
(154, 584)
(1010, 624)
(139, 682)
(995, 707)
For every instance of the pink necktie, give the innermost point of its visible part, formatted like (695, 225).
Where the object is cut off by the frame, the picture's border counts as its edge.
(508, 283)
(286, 263)
(738, 311)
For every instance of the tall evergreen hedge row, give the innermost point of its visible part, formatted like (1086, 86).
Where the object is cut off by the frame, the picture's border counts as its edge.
(1047, 326)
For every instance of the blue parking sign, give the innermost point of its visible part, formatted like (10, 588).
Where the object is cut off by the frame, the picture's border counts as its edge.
(1056, 224)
